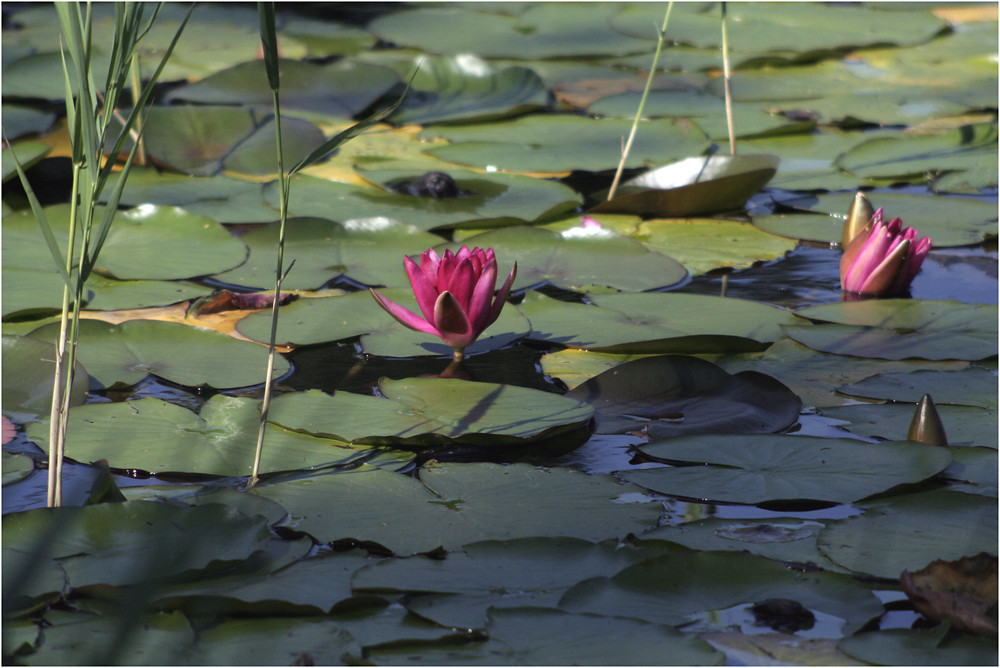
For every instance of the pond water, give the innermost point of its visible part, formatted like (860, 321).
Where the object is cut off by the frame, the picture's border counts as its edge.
(680, 439)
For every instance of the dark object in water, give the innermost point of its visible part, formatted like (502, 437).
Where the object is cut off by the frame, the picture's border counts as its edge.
(783, 614)
(432, 184)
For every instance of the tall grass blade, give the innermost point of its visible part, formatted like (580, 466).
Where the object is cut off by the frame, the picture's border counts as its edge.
(725, 77)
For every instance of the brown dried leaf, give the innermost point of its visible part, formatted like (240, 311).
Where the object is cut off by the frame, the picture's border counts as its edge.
(963, 592)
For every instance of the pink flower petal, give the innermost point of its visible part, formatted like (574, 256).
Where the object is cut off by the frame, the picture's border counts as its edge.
(405, 316)
(479, 306)
(423, 288)
(463, 280)
(452, 323)
(501, 298)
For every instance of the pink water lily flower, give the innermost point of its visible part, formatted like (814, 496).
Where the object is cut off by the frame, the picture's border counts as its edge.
(454, 293)
(883, 258)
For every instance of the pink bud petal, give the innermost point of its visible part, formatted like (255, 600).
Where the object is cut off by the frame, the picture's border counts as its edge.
(423, 288)
(405, 316)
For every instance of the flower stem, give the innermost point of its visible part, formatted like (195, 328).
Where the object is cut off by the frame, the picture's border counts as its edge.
(458, 354)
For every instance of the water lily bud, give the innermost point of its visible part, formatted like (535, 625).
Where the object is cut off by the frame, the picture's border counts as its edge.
(883, 258)
(454, 293)
(858, 216)
(926, 426)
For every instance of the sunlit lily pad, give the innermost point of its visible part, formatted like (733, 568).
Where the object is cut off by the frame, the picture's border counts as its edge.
(578, 259)
(534, 31)
(368, 250)
(465, 502)
(948, 221)
(899, 329)
(340, 89)
(756, 469)
(147, 242)
(674, 588)
(27, 152)
(552, 143)
(654, 323)
(220, 441)
(693, 186)
(496, 199)
(128, 352)
(426, 411)
(939, 524)
(28, 371)
(671, 395)
(335, 318)
(464, 87)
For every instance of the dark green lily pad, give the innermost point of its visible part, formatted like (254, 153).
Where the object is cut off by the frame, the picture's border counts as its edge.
(109, 294)
(191, 356)
(457, 591)
(974, 386)
(920, 647)
(547, 143)
(974, 470)
(28, 153)
(28, 371)
(950, 221)
(368, 250)
(939, 524)
(760, 468)
(340, 89)
(463, 87)
(272, 641)
(336, 318)
(19, 120)
(693, 186)
(578, 259)
(147, 242)
(899, 329)
(654, 323)
(493, 199)
(545, 636)
(16, 467)
(221, 441)
(534, 31)
(674, 588)
(672, 395)
(964, 425)
(465, 502)
(419, 412)
(785, 539)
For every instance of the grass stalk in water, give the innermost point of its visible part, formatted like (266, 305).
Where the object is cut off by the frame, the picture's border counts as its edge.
(269, 46)
(642, 102)
(90, 119)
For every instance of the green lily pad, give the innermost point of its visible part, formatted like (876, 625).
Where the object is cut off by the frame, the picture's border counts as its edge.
(336, 318)
(678, 586)
(74, 638)
(220, 441)
(969, 387)
(702, 244)
(760, 468)
(964, 425)
(463, 87)
(28, 371)
(974, 469)
(126, 543)
(807, 160)
(272, 641)
(899, 329)
(419, 412)
(654, 323)
(465, 502)
(20, 120)
(368, 250)
(578, 260)
(950, 221)
(534, 31)
(457, 591)
(969, 148)
(939, 524)
(547, 143)
(16, 467)
(785, 539)
(340, 89)
(109, 294)
(671, 395)
(545, 636)
(147, 242)
(920, 647)
(28, 153)
(493, 199)
(191, 356)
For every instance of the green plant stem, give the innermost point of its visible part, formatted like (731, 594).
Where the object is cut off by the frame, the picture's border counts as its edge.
(642, 102)
(283, 181)
(725, 81)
